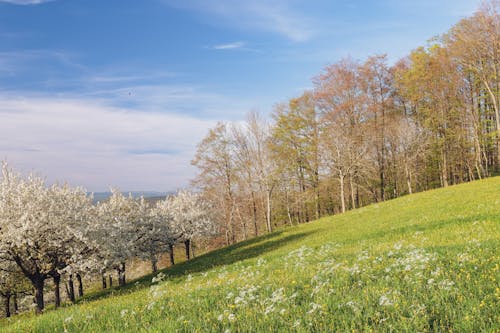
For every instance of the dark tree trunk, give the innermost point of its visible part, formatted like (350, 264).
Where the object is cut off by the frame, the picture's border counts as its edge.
(71, 289)
(154, 265)
(187, 244)
(110, 280)
(7, 304)
(171, 254)
(57, 289)
(104, 286)
(123, 280)
(80, 285)
(38, 284)
(121, 274)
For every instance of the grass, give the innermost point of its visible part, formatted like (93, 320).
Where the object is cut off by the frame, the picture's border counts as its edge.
(425, 262)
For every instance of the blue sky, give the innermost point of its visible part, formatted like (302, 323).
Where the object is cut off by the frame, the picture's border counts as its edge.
(119, 92)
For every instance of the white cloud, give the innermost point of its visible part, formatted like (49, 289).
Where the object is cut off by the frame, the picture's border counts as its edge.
(229, 46)
(270, 16)
(94, 145)
(26, 2)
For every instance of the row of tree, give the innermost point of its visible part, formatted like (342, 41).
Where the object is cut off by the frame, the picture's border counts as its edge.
(367, 132)
(55, 232)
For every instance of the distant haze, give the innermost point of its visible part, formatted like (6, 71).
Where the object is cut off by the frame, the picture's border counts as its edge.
(101, 196)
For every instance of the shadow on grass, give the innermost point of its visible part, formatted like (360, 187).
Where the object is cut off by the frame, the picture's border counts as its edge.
(241, 251)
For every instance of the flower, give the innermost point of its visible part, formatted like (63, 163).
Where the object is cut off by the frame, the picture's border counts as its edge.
(385, 301)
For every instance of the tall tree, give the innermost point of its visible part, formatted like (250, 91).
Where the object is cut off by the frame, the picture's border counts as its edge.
(475, 43)
(217, 175)
(295, 147)
(377, 83)
(341, 100)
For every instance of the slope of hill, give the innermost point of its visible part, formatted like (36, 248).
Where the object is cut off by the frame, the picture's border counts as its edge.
(425, 262)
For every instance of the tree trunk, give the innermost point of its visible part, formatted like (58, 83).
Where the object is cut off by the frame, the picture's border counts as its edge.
(444, 170)
(268, 211)
(342, 192)
(288, 207)
(80, 285)
(317, 199)
(382, 182)
(353, 198)
(104, 281)
(57, 289)
(154, 265)
(256, 230)
(408, 178)
(187, 245)
(7, 304)
(71, 289)
(171, 254)
(121, 275)
(40, 304)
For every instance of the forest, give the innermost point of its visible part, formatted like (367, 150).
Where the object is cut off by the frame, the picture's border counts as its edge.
(368, 131)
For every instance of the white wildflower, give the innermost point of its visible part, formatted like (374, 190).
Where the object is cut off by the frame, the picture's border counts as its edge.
(385, 301)
(314, 307)
(150, 306)
(159, 277)
(446, 284)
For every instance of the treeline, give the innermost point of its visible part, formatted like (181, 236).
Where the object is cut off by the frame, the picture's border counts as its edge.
(366, 132)
(55, 233)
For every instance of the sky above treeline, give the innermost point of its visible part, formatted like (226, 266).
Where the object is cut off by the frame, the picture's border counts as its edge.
(119, 92)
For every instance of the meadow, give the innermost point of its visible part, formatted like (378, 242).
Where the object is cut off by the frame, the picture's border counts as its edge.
(426, 262)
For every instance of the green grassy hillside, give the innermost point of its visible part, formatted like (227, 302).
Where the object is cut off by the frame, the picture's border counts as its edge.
(425, 262)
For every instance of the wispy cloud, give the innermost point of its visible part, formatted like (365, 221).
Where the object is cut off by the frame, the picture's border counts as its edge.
(270, 16)
(229, 46)
(26, 2)
(136, 137)
(95, 145)
(27, 60)
(129, 77)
